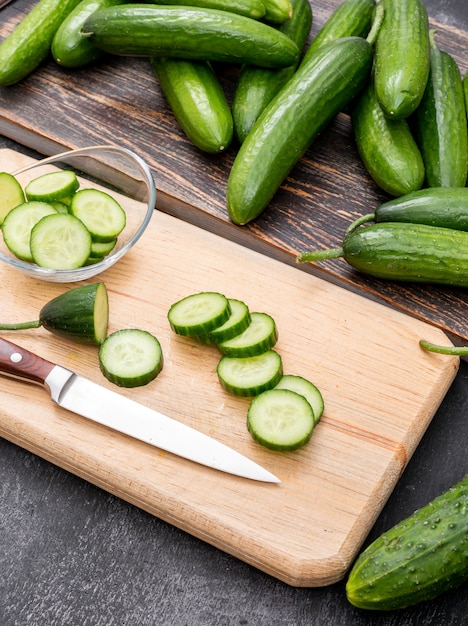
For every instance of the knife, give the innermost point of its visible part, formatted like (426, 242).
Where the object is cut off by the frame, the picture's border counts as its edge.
(111, 409)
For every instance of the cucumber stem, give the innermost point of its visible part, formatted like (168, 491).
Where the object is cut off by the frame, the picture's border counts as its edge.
(21, 326)
(320, 255)
(376, 24)
(361, 220)
(451, 350)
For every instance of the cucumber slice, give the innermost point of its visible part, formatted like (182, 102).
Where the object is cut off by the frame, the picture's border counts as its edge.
(250, 376)
(305, 388)
(60, 242)
(11, 194)
(259, 336)
(199, 313)
(59, 205)
(52, 186)
(236, 324)
(130, 357)
(100, 249)
(101, 213)
(280, 419)
(18, 225)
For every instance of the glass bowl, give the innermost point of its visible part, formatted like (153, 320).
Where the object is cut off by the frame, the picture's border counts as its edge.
(115, 170)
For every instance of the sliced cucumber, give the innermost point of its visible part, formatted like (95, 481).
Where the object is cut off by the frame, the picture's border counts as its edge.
(259, 336)
(199, 313)
(130, 357)
(60, 242)
(101, 213)
(236, 324)
(11, 194)
(305, 388)
(250, 376)
(100, 249)
(52, 186)
(280, 419)
(18, 225)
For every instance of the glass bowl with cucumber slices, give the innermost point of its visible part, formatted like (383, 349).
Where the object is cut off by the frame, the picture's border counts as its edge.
(73, 215)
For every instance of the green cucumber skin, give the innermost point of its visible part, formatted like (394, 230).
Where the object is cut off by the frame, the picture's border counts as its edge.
(386, 146)
(189, 33)
(443, 206)
(28, 45)
(402, 57)
(250, 8)
(352, 18)
(74, 314)
(256, 86)
(278, 11)
(409, 252)
(440, 124)
(197, 100)
(416, 560)
(291, 122)
(69, 48)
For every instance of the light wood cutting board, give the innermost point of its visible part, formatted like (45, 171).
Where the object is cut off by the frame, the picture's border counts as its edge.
(380, 390)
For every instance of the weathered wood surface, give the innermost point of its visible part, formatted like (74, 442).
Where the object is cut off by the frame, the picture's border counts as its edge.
(380, 392)
(119, 101)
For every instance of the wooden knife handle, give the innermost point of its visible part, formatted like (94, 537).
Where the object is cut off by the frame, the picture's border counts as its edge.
(20, 363)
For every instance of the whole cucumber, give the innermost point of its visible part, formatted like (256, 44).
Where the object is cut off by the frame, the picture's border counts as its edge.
(418, 559)
(188, 33)
(256, 86)
(402, 57)
(197, 100)
(293, 119)
(69, 48)
(440, 123)
(386, 146)
(278, 11)
(435, 206)
(352, 18)
(403, 252)
(250, 8)
(28, 45)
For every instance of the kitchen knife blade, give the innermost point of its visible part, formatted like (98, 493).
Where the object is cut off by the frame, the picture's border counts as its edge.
(111, 409)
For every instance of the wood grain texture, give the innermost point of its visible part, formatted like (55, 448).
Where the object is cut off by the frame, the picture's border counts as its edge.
(119, 100)
(380, 390)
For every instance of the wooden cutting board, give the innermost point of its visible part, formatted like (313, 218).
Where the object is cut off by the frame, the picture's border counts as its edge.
(380, 391)
(119, 101)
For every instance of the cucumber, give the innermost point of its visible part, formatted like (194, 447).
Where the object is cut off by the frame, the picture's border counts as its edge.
(293, 119)
(418, 559)
(259, 336)
(188, 33)
(256, 86)
(53, 186)
(402, 57)
(386, 146)
(441, 206)
(404, 252)
(18, 225)
(68, 47)
(102, 215)
(352, 18)
(465, 89)
(305, 388)
(28, 45)
(80, 314)
(250, 376)
(199, 313)
(239, 319)
(250, 8)
(11, 194)
(280, 419)
(197, 100)
(60, 242)
(131, 357)
(278, 11)
(440, 123)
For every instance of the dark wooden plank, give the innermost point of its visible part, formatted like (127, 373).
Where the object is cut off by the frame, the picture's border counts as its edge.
(119, 101)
